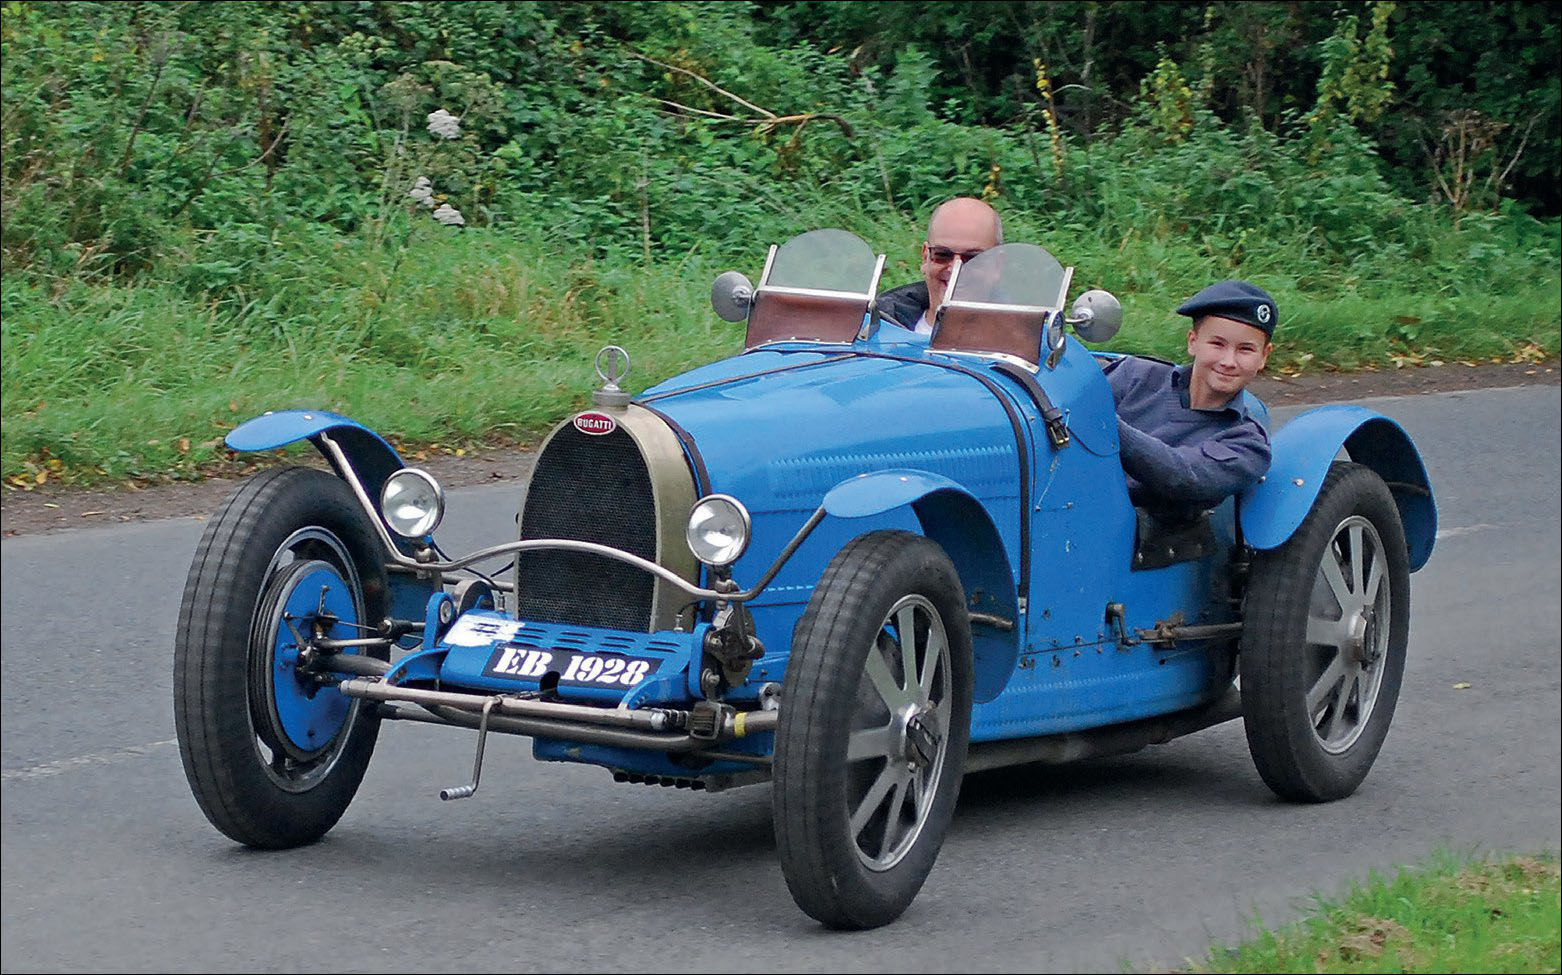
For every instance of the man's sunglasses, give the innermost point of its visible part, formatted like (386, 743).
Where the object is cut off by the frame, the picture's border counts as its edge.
(943, 255)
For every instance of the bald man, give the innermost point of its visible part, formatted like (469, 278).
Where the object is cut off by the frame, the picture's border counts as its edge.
(962, 227)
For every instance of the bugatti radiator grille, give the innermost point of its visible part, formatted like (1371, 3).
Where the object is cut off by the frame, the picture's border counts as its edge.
(592, 488)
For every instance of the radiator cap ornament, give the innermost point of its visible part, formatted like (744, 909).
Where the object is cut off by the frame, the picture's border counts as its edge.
(612, 364)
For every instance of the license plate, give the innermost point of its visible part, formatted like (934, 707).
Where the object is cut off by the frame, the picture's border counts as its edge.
(575, 669)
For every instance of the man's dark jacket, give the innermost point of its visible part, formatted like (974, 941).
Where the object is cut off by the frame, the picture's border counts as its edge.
(905, 304)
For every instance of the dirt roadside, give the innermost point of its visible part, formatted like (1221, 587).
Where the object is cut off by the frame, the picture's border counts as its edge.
(54, 508)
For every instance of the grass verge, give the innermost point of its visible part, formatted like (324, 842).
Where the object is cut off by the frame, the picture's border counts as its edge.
(1451, 915)
(446, 342)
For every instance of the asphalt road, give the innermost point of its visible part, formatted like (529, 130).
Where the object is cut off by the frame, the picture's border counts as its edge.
(1140, 860)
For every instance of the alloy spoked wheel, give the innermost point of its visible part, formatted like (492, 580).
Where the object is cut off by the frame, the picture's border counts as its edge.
(875, 719)
(900, 733)
(1326, 628)
(1347, 634)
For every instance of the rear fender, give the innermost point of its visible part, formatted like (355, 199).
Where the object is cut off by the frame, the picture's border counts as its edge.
(953, 517)
(1303, 449)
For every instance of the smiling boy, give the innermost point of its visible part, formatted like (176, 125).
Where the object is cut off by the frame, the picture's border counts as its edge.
(1186, 437)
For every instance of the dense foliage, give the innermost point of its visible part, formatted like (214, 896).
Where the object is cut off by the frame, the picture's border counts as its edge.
(660, 128)
(303, 197)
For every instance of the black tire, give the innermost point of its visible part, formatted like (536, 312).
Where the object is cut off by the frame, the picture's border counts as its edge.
(251, 782)
(1327, 619)
(866, 877)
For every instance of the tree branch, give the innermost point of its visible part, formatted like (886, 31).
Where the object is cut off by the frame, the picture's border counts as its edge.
(770, 125)
(702, 112)
(1498, 180)
(135, 130)
(207, 177)
(702, 80)
(766, 125)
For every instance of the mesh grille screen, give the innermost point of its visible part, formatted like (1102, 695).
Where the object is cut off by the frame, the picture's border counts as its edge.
(592, 489)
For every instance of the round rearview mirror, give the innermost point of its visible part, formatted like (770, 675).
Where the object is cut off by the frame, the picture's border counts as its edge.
(1096, 316)
(731, 294)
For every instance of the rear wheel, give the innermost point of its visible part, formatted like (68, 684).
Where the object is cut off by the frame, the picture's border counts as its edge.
(273, 752)
(875, 719)
(1323, 649)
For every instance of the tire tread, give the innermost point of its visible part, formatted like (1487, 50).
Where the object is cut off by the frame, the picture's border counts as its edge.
(1276, 607)
(813, 719)
(210, 660)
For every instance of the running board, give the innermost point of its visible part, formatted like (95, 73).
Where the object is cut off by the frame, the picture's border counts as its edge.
(1117, 739)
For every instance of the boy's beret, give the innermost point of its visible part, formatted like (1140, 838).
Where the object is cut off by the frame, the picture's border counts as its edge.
(1236, 300)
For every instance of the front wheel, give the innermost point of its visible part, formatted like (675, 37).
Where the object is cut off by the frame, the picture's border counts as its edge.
(1327, 620)
(272, 751)
(875, 719)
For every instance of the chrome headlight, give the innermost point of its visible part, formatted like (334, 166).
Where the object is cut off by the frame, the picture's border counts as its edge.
(412, 502)
(718, 530)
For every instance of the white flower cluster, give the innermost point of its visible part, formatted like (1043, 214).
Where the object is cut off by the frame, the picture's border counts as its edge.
(423, 191)
(443, 125)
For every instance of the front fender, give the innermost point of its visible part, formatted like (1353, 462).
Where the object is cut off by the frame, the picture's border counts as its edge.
(1303, 449)
(953, 517)
(372, 459)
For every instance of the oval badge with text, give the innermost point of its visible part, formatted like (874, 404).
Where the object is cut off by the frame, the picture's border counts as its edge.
(596, 424)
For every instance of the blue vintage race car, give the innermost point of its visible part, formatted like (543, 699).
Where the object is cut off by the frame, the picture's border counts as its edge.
(852, 561)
